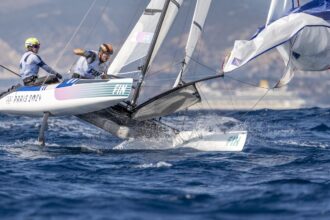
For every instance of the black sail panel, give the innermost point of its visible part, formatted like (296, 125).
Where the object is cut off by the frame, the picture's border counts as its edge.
(166, 103)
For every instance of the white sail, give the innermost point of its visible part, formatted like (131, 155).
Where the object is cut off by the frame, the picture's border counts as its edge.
(285, 51)
(200, 14)
(138, 42)
(171, 13)
(309, 53)
(279, 8)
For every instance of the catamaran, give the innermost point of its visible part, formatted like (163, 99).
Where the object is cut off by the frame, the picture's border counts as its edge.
(132, 118)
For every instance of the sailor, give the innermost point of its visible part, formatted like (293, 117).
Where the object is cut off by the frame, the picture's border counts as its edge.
(92, 64)
(30, 64)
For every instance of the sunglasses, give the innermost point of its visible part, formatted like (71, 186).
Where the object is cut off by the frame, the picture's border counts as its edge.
(37, 46)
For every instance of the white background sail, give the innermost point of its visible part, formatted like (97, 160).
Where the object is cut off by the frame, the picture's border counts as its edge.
(138, 42)
(278, 8)
(308, 29)
(200, 14)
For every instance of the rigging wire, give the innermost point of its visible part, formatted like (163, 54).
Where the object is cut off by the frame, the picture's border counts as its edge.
(92, 29)
(243, 82)
(173, 62)
(72, 37)
(230, 93)
(74, 33)
(182, 35)
(292, 43)
(230, 77)
(129, 28)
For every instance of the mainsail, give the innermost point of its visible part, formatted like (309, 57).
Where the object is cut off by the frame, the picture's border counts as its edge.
(196, 29)
(301, 35)
(137, 45)
(133, 119)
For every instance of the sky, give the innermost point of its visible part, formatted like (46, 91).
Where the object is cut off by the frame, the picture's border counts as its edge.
(55, 22)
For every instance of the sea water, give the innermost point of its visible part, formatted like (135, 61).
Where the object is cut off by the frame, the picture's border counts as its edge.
(84, 173)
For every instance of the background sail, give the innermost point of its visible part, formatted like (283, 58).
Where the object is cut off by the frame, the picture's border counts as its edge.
(278, 33)
(138, 42)
(278, 8)
(302, 38)
(200, 14)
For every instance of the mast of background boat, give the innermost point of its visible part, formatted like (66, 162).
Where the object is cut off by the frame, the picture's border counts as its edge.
(150, 52)
(201, 10)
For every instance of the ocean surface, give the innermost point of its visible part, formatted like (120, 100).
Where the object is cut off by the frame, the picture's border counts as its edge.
(84, 173)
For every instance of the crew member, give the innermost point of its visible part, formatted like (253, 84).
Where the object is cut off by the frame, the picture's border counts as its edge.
(92, 64)
(30, 64)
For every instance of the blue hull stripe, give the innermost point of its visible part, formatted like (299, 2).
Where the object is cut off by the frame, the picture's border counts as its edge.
(28, 89)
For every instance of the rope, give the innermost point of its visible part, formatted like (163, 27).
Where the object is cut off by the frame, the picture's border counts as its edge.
(230, 94)
(221, 72)
(240, 81)
(284, 73)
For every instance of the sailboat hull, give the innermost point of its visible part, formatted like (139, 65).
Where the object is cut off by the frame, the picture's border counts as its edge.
(232, 141)
(71, 97)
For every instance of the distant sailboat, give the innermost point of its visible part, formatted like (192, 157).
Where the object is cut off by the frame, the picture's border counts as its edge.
(300, 33)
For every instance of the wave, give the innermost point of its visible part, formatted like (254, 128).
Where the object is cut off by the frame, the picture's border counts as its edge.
(160, 164)
(322, 127)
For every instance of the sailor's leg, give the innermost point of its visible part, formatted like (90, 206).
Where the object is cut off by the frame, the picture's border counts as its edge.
(46, 80)
(41, 138)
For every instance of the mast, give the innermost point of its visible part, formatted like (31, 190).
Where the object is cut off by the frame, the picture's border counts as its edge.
(150, 52)
(201, 11)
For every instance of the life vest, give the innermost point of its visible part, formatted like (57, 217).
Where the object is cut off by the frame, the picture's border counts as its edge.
(90, 67)
(29, 65)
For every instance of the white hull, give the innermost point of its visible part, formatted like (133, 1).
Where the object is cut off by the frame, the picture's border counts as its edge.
(71, 97)
(211, 141)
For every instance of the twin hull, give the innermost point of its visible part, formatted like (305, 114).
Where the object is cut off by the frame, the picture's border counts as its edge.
(71, 97)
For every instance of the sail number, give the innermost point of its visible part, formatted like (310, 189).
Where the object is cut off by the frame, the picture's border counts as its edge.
(233, 140)
(119, 89)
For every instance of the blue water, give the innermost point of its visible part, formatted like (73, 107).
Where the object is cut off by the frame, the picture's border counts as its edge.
(282, 173)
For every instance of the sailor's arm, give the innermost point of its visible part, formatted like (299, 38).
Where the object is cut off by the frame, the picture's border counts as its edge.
(47, 68)
(82, 52)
